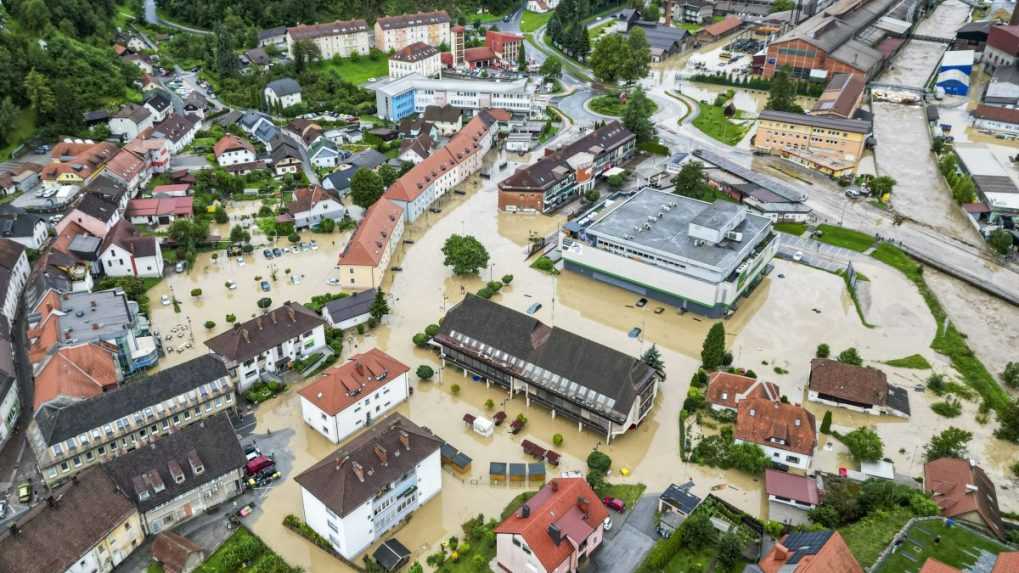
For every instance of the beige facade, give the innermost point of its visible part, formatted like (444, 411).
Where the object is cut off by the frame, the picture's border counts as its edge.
(430, 66)
(342, 43)
(119, 542)
(395, 38)
(355, 276)
(826, 147)
(194, 502)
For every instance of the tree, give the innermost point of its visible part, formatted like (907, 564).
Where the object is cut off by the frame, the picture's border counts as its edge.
(698, 531)
(730, 549)
(1001, 241)
(651, 13)
(365, 188)
(607, 60)
(264, 302)
(598, 461)
(239, 234)
(713, 351)
(616, 181)
(1011, 375)
(690, 181)
(210, 324)
(823, 350)
(226, 60)
(864, 444)
(637, 116)
(637, 57)
(188, 233)
(8, 119)
(881, 185)
(379, 307)
(950, 443)
(305, 52)
(557, 440)
(781, 6)
(425, 372)
(551, 68)
(782, 92)
(40, 95)
(653, 358)
(389, 174)
(850, 356)
(35, 15)
(465, 254)
(522, 59)
(1008, 420)
(826, 423)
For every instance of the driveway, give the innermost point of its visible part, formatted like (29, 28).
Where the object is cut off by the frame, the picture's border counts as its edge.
(628, 542)
(189, 162)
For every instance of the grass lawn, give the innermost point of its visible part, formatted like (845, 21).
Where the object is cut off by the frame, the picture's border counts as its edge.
(791, 228)
(691, 27)
(713, 123)
(915, 361)
(531, 21)
(696, 561)
(610, 105)
(597, 31)
(24, 127)
(629, 493)
(845, 238)
(357, 72)
(868, 537)
(957, 546)
(515, 503)
(244, 552)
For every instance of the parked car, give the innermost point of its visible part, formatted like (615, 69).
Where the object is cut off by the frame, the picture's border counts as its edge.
(165, 300)
(251, 452)
(267, 254)
(240, 261)
(614, 503)
(277, 252)
(258, 464)
(25, 492)
(641, 303)
(798, 256)
(231, 285)
(181, 266)
(607, 524)
(264, 285)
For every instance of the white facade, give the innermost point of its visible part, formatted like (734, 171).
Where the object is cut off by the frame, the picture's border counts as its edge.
(325, 157)
(235, 157)
(358, 415)
(284, 101)
(340, 44)
(126, 127)
(10, 409)
(194, 502)
(352, 534)
(325, 209)
(19, 276)
(995, 125)
(118, 262)
(430, 67)
(782, 456)
(308, 343)
(516, 96)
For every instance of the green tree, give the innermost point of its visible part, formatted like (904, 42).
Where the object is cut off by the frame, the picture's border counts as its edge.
(598, 461)
(782, 92)
(698, 531)
(690, 181)
(551, 68)
(637, 57)
(781, 6)
(8, 119)
(522, 59)
(465, 254)
(188, 233)
(239, 234)
(226, 60)
(1011, 375)
(1001, 241)
(637, 116)
(881, 185)
(1008, 422)
(608, 58)
(425, 372)
(951, 443)
(850, 356)
(823, 351)
(864, 444)
(35, 16)
(389, 174)
(39, 93)
(713, 351)
(651, 13)
(379, 307)
(365, 188)
(730, 549)
(826, 423)
(653, 358)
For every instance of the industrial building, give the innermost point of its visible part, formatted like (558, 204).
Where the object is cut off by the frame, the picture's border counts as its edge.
(412, 93)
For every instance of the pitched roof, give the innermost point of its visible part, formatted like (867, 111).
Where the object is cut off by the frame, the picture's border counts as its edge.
(132, 112)
(1008, 562)
(479, 54)
(81, 371)
(172, 550)
(861, 384)
(80, 159)
(375, 458)
(932, 565)
(305, 198)
(680, 497)
(811, 552)
(565, 506)
(408, 20)
(791, 486)
(960, 487)
(159, 206)
(284, 87)
(994, 113)
(724, 26)
(840, 95)
(343, 386)
(551, 169)
(421, 145)
(414, 53)
(444, 113)
(10, 253)
(124, 235)
(96, 206)
(725, 389)
(369, 241)
(338, 27)
(848, 125)
(348, 307)
(174, 128)
(249, 339)
(230, 142)
(763, 421)
(87, 510)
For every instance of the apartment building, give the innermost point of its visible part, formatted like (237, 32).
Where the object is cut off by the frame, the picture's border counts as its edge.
(71, 435)
(396, 32)
(349, 397)
(182, 475)
(1002, 50)
(14, 270)
(696, 256)
(371, 484)
(602, 389)
(786, 432)
(10, 397)
(363, 262)
(416, 58)
(267, 344)
(341, 38)
(412, 93)
(831, 145)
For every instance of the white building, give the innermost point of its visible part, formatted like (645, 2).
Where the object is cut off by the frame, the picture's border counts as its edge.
(417, 58)
(125, 253)
(312, 205)
(232, 150)
(284, 92)
(372, 484)
(14, 261)
(348, 398)
(786, 432)
(268, 343)
(10, 400)
(324, 153)
(412, 93)
(130, 120)
(340, 38)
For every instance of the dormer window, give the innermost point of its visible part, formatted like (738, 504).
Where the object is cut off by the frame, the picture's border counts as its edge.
(725, 395)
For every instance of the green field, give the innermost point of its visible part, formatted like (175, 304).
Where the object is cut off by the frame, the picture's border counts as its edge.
(244, 551)
(531, 21)
(957, 547)
(597, 31)
(845, 238)
(868, 537)
(712, 121)
(357, 72)
(791, 228)
(915, 361)
(610, 105)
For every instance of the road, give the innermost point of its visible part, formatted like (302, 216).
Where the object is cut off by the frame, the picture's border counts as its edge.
(626, 544)
(152, 17)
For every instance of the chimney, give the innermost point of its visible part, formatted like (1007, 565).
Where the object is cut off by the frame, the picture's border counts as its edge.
(381, 454)
(272, 317)
(358, 367)
(781, 552)
(525, 511)
(553, 485)
(668, 13)
(555, 534)
(245, 336)
(291, 314)
(359, 472)
(583, 504)
(405, 440)
(258, 323)
(51, 501)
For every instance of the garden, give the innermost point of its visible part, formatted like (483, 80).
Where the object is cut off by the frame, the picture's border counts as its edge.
(244, 551)
(715, 120)
(698, 546)
(954, 545)
(263, 391)
(612, 104)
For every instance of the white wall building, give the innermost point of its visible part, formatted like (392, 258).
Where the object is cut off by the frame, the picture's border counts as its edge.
(412, 93)
(340, 38)
(417, 58)
(284, 92)
(14, 260)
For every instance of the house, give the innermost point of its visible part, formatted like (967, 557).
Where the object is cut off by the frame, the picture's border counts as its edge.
(268, 343)
(506, 46)
(286, 158)
(725, 391)
(75, 372)
(284, 92)
(858, 388)
(557, 530)
(232, 150)
(541, 6)
(324, 153)
(348, 312)
(416, 149)
(339, 181)
(600, 388)
(176, 553)
(415, 125)
(98, 528)
(718, 30)
(14, 271)
(790, 496)
(347, 398)
(130, 120)
(154, 152)
(196, 104)
(273, 37)
(996, 119)
(250, 121)
(179, 130)
(305, 130)
(10, 396)
(446, 118)
(1002, 50)
(75, 164)
(130, 169)
(19, 176)
(678, 499)
(809, 552)
(110, 189)
(94, 213)
(664, 41)
(20, 226)
(841, 97)
(126, 253)
(760, 193)
(418, 57)
(182, 475)
(159, 211)
(367, 159)
(396, 32)
(342, 38)
(786, 432)
(364, 260)
(371, 484)
(312, 205)
(159, 105)
(693, 11)
(964, 492)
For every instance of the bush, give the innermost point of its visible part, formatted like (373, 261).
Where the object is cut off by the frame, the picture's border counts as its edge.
(210, 324)
(431, 330)
(455, 389)
(826, 423)
(230, 318)
(489, 404)
(949, 408)
(936, 384)
(507, 279)
(823, 351)
(544, 263)
(598, 461)
(196, 292)
(557, 440)
(485, 293)
(420, 340)
(425, 372)
(264, 302)
(851, 356)
(494, 286)
(699, 379)
(294, 238)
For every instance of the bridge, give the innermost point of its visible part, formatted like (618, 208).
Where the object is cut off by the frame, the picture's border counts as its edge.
(897, 87)
(935, 39)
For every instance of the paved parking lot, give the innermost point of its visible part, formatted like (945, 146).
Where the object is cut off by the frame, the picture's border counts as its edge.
(629, 541)
(815, 254)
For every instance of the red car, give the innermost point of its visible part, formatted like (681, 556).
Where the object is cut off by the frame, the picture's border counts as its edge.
(614, 503)
(258, 464)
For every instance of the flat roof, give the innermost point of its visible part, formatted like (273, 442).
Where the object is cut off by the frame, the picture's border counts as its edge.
(764, 181)
(850, 125)
(978, 160)
(670, 233)
(417, 81)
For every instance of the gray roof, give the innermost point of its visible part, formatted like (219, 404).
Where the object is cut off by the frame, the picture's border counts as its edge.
(91, 316)
(367, 159)
(340, 180)
(348, 307)
(681, 498)
(16, 222)
(59, 421)
(249, 339)
(1004, 87)
(408, 20)
(97, 206)
(272, 33)
(663, 37)
(824, 122)
(284, 87)
(834, 28)
(214, 442)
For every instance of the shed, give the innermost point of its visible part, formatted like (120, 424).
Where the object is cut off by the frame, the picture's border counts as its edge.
(391, 555)
(461, 463)
(953, 81)
(517, 472)
(677, 498)
(961, 60)
(497, 471)
(536, 472)
(484, 426)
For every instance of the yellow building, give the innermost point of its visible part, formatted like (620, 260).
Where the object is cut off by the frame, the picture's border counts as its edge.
(397, 32)
(364, 261)
(828, 144)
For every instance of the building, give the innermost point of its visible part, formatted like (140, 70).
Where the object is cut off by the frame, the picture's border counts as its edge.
(10, 396)
(130, 120)
(841, 38)
(952, 82)
(997, 119)
(284, 92)
(94, 213)
(273, 37)
(286, 158)
(562, 176)
(232, 150)
(697, 256)
(374, 482)
(159, 211)
(79, 371)
(664, 40)
(397, 32)
(1002, 50)
(324, 154)
(182, 475)
(725, 391)
(600, 388)
(541, 6)
(14, 271)
(130, 168)
(831, 145)
(997, 193)
(718, 30)
(790, 496)
(176, 553)
(558, 529)
(341, 38)
(178, 130)
(858, 388)
(126, 253)
(786, 432)
(973, 36)
(312, 205)
(90, 526)
(75, 164)
(678, 499)
(447, 119)
(347, 398)
(366, 257)
(1003, 89)
(806, 552)
(266, 345)
(964, 492)
(693, 11)
(413, 93)
(158, 102)
(416, 149)
(417, 58)
(506, 47)
(760, 193)
(348, 312)
(71, 435)
(841, 97)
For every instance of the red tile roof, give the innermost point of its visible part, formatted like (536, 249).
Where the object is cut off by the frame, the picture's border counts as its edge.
(932, 565)
(414, 52)
(722, 27)
(761, 421)
(372, 235)
(1002, 114)
(960, 488)
(1004, 38)
(1007, 562)
(860, 384)
(307, 197)
(170, 188)
(231, 142)
(81, 371)
(725, 389)
(833, 557)
(558, 503)
(791, 486)
(343, 386)
(82, 159)
(479, 54)
(126, 165)
(176, 206)
(173, 550)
